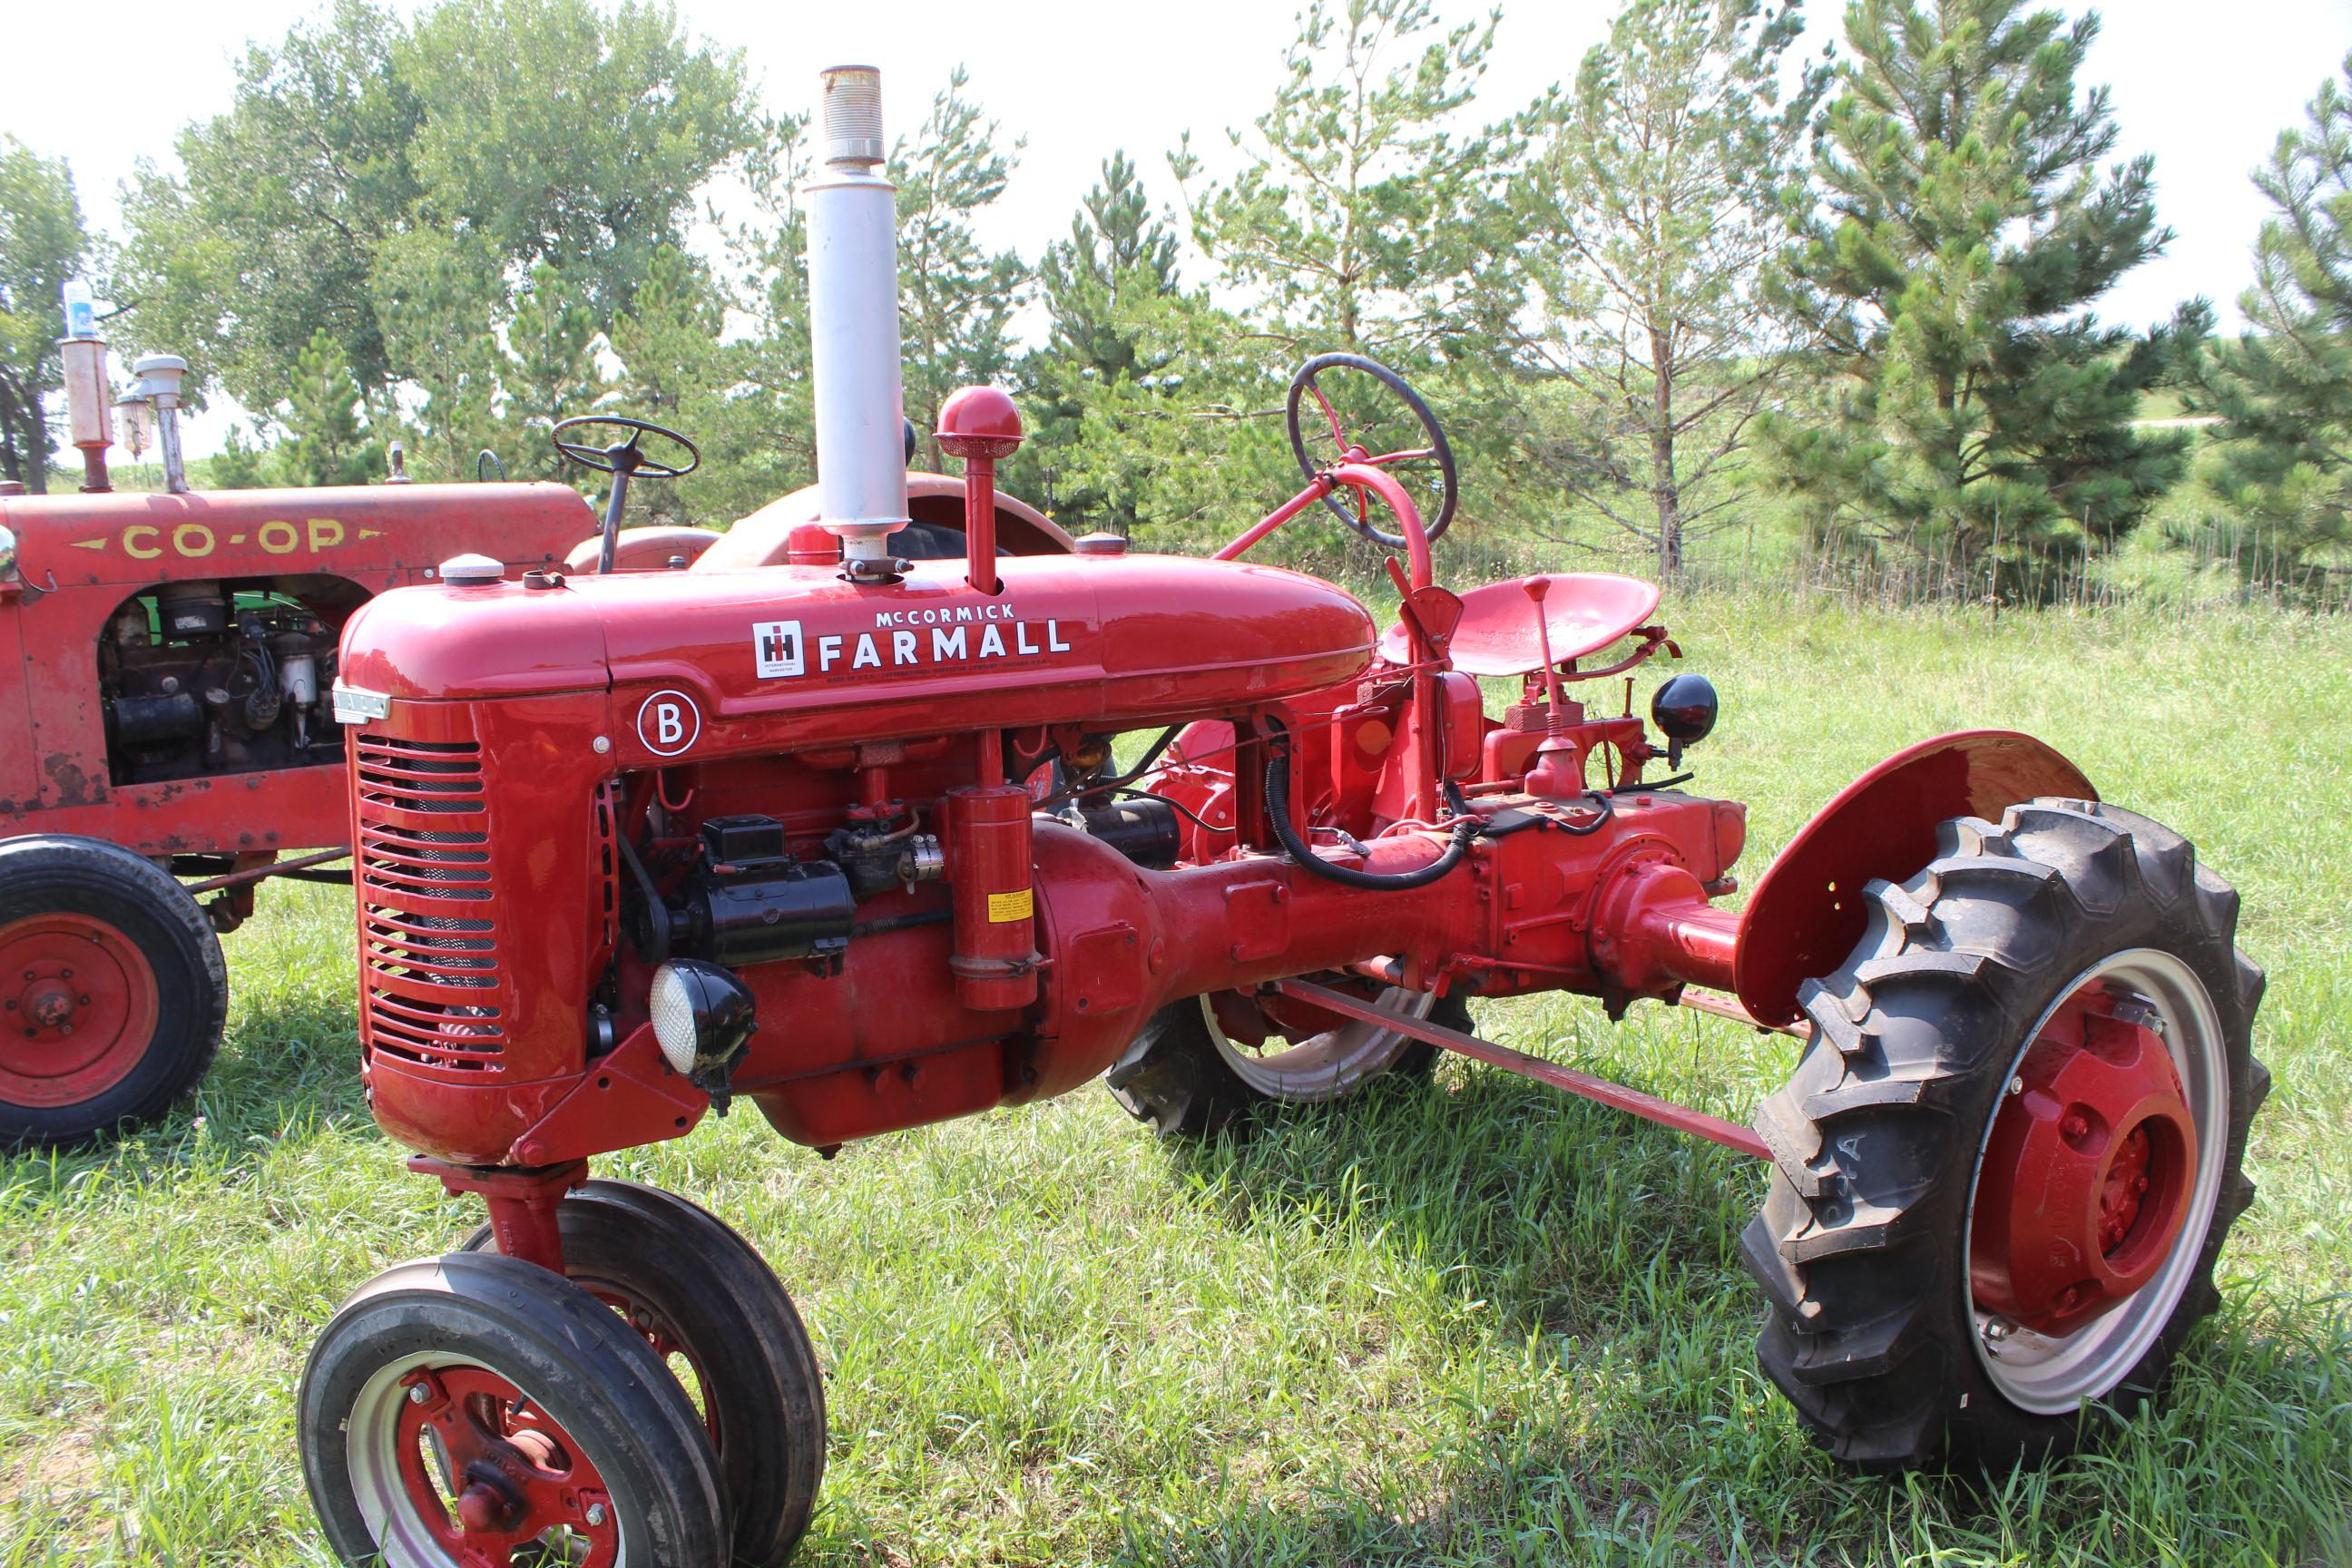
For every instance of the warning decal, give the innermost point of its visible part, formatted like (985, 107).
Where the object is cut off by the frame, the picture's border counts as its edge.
(1015, 906)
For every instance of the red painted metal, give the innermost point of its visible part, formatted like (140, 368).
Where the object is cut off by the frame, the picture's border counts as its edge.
(1616, 1096)
(644, 548)
(80, 1004)
(765, 538)
(979, 424)
(1811, 909)
(1579, 613)
(80, 557)
(2087, 1176)
(996, 957)
(1367, 480)
(513, 1475)
(522, 1204)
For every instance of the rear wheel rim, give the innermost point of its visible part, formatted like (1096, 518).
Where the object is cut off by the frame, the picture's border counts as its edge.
(2054, 1375)
(1325, 1066)
(78, 1006)
(475, 1474)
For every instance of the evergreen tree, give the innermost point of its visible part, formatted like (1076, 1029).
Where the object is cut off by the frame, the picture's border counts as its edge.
(1100, 285)
(956, 301)
(2284, 388)
(1357, 221)
(1980, 408)
(328, 445)
(1654, 203)
(552, 373)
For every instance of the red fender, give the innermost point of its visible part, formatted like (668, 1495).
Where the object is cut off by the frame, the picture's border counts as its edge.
(1807, 912)
(641, 549)
(760, 540)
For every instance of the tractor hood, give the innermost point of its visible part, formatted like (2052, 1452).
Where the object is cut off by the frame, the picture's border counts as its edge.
(1092, 640)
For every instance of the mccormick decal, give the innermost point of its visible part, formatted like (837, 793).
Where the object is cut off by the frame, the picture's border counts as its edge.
(938, 633)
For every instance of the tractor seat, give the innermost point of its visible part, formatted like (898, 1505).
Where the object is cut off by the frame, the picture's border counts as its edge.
(1584, 612)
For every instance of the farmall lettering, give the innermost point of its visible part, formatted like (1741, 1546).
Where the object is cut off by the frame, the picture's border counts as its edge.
(932, 634)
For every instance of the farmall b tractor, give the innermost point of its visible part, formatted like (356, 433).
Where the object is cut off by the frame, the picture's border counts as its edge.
(845, 839)
(165, 733)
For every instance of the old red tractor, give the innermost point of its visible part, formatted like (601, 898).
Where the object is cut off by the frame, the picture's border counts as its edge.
(164, 667)
(848, 840)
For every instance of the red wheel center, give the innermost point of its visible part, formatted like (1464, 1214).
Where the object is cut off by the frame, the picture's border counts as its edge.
(2087, 1175)
(491, 1473)
(78, 1004)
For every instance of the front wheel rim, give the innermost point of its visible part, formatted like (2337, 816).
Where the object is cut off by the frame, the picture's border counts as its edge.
(409, 1460)
(1328, 1065)
(2050, 1375)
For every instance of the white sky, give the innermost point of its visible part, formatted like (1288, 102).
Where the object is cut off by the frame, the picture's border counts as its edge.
(2206, 88)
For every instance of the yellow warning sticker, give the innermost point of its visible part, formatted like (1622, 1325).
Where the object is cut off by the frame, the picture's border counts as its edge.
(1017, 906)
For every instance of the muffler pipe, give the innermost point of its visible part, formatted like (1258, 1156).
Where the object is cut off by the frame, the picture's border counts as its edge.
(853, 264)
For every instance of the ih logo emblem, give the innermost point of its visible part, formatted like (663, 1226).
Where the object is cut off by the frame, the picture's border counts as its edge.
(777, 646)
(668, 722)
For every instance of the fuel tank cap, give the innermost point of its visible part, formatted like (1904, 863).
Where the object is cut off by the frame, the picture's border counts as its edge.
(471, 571)
(1099, 545)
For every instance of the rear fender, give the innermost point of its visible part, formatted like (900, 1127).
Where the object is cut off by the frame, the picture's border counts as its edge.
(1809, 911)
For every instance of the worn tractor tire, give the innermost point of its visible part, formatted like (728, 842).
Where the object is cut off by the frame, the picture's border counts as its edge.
(1183, 1077)
(1873, 1330)
(117, 943)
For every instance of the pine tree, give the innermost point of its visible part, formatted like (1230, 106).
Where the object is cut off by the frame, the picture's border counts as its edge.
(1980, 408)
(956, 299)
(1356, 222)
(552, 372)
(1100, 285)
(2283, 389)
(327, 444)
(1654, 203)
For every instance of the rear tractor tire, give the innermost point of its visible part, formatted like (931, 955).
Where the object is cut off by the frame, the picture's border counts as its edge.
(1189, 1079)
(113, 994)
(2009, 1158)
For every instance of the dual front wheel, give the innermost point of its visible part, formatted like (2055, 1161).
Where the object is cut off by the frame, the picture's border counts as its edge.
(660, 1406)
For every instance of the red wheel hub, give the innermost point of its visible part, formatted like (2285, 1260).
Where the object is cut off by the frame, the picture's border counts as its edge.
(2089, 1173)
(78, 1004)
(491, 1473)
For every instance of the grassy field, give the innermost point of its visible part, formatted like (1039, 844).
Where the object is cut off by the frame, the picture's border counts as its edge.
(1481, 1324)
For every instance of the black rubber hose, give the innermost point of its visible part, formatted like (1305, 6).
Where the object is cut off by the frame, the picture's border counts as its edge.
(1278, 814)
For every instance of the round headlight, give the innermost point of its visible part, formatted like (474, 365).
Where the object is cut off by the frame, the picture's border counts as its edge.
(702, 1015)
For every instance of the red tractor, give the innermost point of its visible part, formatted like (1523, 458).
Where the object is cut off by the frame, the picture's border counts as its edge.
(168, 660)
(848, 839)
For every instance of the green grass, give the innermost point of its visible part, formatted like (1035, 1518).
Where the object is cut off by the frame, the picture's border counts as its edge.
(1483, 1324)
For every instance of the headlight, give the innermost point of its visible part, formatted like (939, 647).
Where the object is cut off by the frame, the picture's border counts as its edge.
(702, 1016)
(1684, 711)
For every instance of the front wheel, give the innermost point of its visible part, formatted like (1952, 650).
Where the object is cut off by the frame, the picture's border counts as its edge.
(2009, 1159)
(711, 1308)
(1200, 1064)
(475, 1411)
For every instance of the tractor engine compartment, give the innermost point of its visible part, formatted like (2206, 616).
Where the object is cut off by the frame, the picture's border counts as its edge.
(203, 677)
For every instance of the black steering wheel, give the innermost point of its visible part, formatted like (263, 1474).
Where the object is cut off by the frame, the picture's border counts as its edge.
(622, 460)
(1354, 418)
(624, 456)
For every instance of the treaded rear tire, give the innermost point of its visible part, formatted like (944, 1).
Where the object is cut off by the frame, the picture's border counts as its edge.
(1174, 1076)
(1861, 1244)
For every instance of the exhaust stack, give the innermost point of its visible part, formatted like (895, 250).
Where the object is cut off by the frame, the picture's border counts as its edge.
(853, 263)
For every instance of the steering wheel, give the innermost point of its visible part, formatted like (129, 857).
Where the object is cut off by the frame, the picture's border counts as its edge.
(622, 460)
(624, 456)
(1360, 422)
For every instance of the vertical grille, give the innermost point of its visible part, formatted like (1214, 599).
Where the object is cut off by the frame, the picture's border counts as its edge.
(428, 927)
